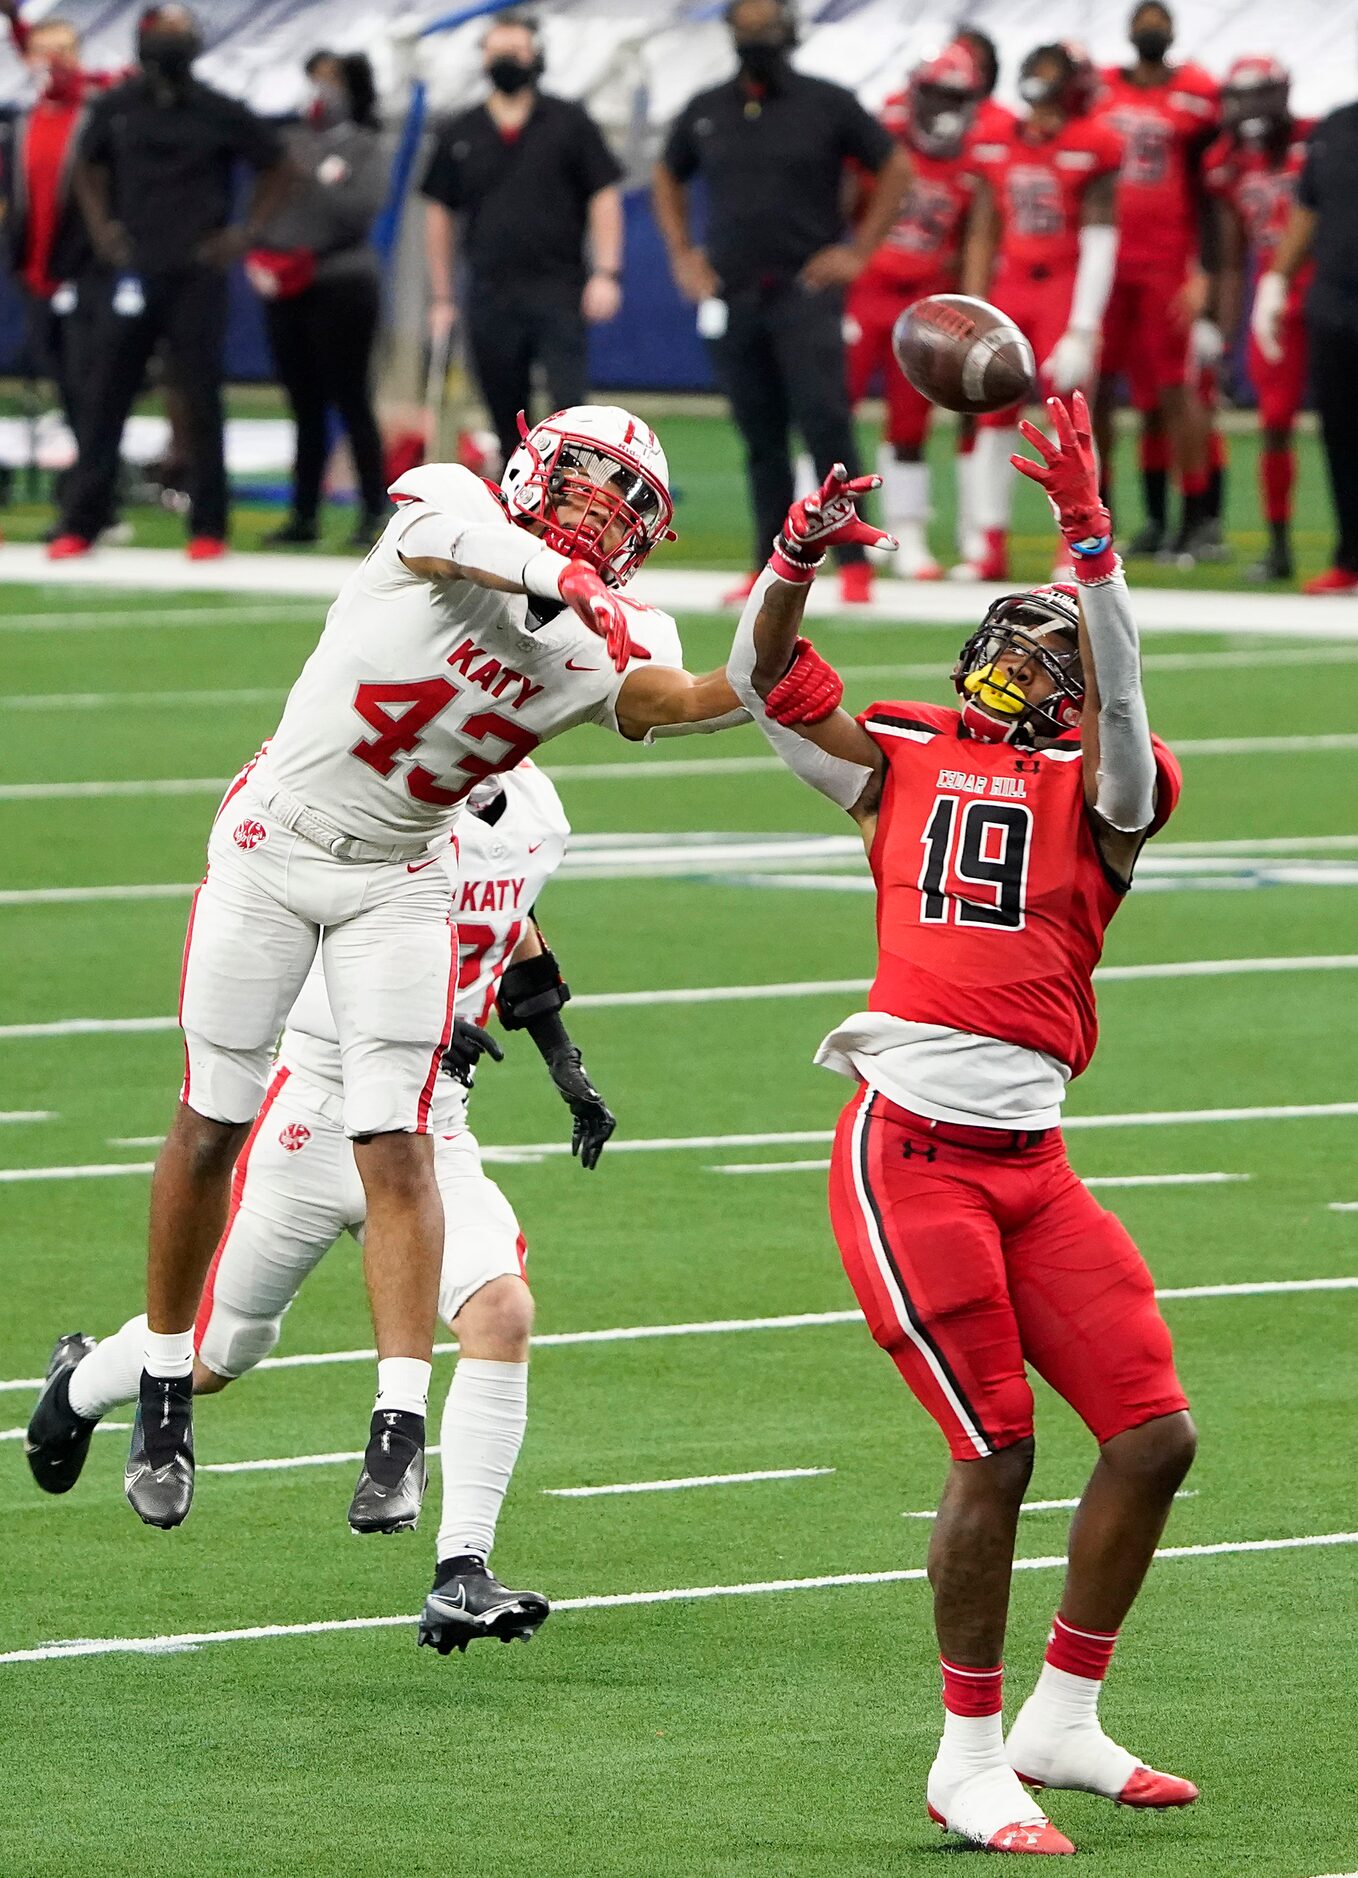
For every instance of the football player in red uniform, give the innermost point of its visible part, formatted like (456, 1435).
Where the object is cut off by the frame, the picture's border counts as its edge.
(1165, 115)
(1043, 250)
(1002, 838)
(1252, 170)
(920, 256)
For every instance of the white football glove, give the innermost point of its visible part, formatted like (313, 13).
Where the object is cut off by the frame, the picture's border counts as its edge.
(1207, 342)
(1270, 301)
(1070, 363)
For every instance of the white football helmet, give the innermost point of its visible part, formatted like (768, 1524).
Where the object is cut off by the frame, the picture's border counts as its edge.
(610, 459)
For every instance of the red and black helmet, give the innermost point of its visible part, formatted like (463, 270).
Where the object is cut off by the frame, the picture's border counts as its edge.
(1071, 83)
(1042, 625)
(942, 98)
(1255, 98)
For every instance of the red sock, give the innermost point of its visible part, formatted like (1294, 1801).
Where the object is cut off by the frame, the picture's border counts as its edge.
(1277, 470)
(1154, 451)
(973, 1692)
(1080, 1652)
(1194, 482)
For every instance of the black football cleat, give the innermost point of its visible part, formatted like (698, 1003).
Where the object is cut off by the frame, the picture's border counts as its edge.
(468, 1602)
(158, 1478)
(391, 1485)
(58, 1439)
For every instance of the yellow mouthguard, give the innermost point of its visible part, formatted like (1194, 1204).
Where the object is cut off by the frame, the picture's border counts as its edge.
(992, 687)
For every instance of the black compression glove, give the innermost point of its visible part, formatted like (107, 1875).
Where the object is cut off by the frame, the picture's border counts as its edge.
(469, 1043)
(594, 1121)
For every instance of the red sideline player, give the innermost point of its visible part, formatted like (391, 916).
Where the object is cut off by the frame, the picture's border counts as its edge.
(920, 256)
(1252, 170)
(1044, 227)
(1165, 115)
(1002, 839)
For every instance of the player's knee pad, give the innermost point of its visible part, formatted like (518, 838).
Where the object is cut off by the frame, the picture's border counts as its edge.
(232, 1343)
(220, 1084)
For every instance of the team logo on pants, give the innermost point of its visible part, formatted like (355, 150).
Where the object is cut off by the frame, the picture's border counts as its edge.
(294, 1137)
(249, 834)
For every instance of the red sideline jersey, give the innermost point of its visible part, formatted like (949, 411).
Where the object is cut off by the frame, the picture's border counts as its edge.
(923, 245)
(992, 898)
(1163, 128)
(1039, 185)
(993, 125)
(1261, 188)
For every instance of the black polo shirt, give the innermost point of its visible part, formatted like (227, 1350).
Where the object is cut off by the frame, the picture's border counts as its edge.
(773, 163)
(172, 165)
(1329, 186)
(526, 197)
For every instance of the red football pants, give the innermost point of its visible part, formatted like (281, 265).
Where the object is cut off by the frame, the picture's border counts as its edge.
(1280, 385)
(874, 305)
(1040, 307)
(1144, 337)
(968, 1263)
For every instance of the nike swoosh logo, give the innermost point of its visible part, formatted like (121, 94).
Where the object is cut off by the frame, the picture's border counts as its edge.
(535, 846)
(416, 867)
(571, 666)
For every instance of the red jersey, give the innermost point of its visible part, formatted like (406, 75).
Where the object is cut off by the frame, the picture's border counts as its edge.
(1039, 184)
(1261, 188)
(1163, 128)
(925, 242)
(992, 898)
(993, 124)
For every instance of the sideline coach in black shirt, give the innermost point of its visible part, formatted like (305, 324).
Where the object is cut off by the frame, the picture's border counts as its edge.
(154, 177)
(771, 145)
(534, 181)
(1324, 224)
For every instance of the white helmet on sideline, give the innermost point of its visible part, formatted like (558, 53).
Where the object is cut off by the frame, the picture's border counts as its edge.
(611, 459)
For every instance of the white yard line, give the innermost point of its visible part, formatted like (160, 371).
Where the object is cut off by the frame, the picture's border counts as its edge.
(735, 994)
(55, 622)
(634, 769)
(724, 1326)
(689, 1480)
(64, 701)
(84, 896)
(1288, 656)
(1343, 1206)
(1046, 1506)
(28, 1115)
(258, 1633)
(1095, 1180)
(100, 1428)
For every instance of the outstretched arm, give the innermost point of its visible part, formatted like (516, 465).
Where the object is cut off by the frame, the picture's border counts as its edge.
(1115, 736)
(531, 996)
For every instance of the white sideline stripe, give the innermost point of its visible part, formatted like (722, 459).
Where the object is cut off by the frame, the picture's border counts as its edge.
(515, 1154)
(258, 1633)
(133, 700)
(718, 1326)
(1047, 1506)
(632, 769)
(689, 1480)
(734, 994)
(1095, 1180)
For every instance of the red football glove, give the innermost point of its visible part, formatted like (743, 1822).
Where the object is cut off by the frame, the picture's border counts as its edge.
(602, 611)
(808, 690)
(1069, 473)
(827, 519)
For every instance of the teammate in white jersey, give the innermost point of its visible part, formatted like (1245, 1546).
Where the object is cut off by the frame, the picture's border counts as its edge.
(483, 623)
(296, 1190)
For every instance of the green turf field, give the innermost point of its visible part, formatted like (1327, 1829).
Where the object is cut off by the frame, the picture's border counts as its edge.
(768, 1735)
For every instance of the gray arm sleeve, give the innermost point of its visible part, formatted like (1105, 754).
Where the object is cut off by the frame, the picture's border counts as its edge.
(1126, 781)
(728, 721)
(834, 776)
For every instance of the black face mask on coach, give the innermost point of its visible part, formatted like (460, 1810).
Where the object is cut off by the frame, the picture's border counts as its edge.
(510, 75)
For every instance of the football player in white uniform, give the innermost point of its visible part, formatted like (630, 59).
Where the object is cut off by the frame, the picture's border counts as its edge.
(296, 1190)
(484, 622)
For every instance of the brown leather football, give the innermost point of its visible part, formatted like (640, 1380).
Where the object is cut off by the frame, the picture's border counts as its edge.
(964, 354)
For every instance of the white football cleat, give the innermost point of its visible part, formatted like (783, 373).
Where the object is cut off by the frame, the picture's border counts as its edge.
(991, 1809)
(1081, 1758)
(912, 559)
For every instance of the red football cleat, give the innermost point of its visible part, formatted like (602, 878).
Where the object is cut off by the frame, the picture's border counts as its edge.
(740, 593)
(206, 548)
(1149, 1788)
(855, 584)
(1333, 580)
(67, 547)
(1042, 1836)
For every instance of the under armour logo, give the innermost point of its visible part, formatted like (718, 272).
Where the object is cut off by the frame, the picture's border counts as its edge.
(1019, 1839)
(924, 1149)
(1029, 764)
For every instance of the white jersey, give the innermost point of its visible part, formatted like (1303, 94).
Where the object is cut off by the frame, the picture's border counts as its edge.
(498, 871)
(417, 690)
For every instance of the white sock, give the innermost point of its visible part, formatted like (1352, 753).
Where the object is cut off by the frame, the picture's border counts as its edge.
(1057, 1736)
(805, 481)
(1065, 1700)
(994, 477)
(110, 1375)
(483, 1425)
(168, 1353)
(905, 488)
(965, 475)
(971, 1743)
(403, 1383)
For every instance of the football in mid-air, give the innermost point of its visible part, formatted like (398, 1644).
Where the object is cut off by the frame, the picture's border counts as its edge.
(964, 354)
